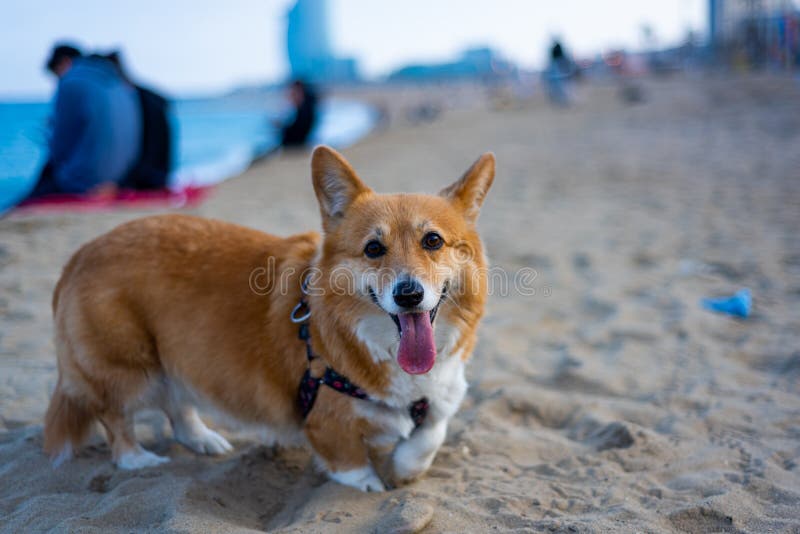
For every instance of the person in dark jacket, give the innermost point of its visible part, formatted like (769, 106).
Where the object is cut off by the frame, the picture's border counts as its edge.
(96, 126)
(304, 99)
(152, 168)
(155, 158)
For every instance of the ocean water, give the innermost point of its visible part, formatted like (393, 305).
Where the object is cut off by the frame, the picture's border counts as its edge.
(214, 139)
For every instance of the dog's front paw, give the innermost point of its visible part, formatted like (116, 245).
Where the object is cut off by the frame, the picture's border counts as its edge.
(206, 441)
(412, 457)
(363, 478)
(409, 464)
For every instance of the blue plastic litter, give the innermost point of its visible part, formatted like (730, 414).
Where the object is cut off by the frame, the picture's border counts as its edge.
(738, 305)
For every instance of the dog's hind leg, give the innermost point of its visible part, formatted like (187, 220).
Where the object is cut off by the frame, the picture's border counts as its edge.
(188, 428)
(125, 450)
(108, 367)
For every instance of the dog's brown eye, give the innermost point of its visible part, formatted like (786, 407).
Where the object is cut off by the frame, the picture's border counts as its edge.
(374, 249)
(432, 241)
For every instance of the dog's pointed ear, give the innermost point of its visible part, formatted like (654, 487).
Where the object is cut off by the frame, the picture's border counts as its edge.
(335, 183)
(467, 194)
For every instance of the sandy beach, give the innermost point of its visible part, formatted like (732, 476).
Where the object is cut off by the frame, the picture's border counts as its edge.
(603, 398)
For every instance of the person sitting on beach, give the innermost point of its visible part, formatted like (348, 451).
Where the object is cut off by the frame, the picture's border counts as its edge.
(304, 99)
(96, 126)
(153, 165)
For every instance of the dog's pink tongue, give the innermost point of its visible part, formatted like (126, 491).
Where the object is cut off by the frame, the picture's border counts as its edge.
(417, 352)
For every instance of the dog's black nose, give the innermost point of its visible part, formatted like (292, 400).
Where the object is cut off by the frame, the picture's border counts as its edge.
(408, 293)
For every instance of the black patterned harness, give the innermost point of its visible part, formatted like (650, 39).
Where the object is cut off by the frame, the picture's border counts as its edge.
(309, 385)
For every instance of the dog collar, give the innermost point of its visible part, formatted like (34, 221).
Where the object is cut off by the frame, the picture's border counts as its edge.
(309, 385)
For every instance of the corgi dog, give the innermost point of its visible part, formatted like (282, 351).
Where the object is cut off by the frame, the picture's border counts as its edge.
(352, 342)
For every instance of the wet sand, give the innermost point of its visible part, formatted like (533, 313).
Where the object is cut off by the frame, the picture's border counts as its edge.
(602, 397)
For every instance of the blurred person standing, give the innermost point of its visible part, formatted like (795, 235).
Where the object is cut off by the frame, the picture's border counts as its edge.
(559, 73)
(96, 126)
(303, 98)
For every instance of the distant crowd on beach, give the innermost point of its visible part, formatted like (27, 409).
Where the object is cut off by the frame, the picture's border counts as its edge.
(108, 132)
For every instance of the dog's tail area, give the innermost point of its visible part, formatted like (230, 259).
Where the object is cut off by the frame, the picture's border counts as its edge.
(66, 425)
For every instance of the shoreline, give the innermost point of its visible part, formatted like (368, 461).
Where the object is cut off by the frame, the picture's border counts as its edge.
(205, 152)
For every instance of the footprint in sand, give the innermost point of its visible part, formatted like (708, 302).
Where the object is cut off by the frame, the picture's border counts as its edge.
(791, 263)
(601, 437)
(644, 260)
(598, 310)
(702, 519)
(726, 270)
(582, 264)
(405, 518)
(6, 258)
(539, 262)
(612, 436)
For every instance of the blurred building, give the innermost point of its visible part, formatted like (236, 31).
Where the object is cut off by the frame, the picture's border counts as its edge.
(308, 45)
(480, 63)
(755, 32)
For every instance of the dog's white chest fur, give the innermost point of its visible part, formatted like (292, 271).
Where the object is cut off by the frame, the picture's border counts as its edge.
(444, 386)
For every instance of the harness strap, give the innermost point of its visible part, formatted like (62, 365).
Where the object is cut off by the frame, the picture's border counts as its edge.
(309, 385)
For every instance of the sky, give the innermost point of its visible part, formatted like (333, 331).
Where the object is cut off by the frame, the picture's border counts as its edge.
(191, 47)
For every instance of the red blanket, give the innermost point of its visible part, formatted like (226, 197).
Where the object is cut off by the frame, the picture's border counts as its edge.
(180, 198)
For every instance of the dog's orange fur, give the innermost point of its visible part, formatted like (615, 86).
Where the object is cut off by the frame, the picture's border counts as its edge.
(169, 298)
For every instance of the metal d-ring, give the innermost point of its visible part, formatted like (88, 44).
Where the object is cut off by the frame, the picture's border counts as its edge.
(304, 285)
(295, 318)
